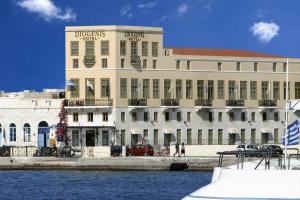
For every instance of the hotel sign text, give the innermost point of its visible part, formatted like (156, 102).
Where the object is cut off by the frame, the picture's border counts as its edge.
(89, 35)
(134, 36)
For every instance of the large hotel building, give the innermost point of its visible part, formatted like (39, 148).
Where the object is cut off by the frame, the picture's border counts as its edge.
(125, 87)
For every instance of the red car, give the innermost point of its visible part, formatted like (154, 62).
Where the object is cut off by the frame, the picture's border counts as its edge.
(140, 150)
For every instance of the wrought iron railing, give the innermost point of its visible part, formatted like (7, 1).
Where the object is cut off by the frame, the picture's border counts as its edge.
(170, 102)
(137, 102)
(235, 103)
(203, 102)
(267, 103)
(88, 102)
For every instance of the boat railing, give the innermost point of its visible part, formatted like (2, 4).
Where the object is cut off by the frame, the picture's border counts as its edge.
(265, 155)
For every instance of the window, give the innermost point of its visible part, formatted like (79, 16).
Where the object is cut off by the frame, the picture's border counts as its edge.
(255, 66)
(274, 67)
(105, 88)
(75, 117)
(155, 88)
(167, 88)
(177, 64)
(210, 136)
(276, 90)
(231, 90)
(220, 116)
(178, 89)
(243, 135)
(220, 89)
(90, 117)
(104, 62)
(144, 63)
(178, 135)
(90, 88)
(243, 90)
(144, 48)
(155, 135)
(253, 135)
(123, 137)
(134, 48)
(12, 132)
(75, 63)
(276, 136)
(188, 116)
(122, 116)
(178, 116)
(264, 116)
(253, 90)
(167, 116)
(74, 48)
(189, 89)
(154, 64)
(231, 116)
(297, 90)
(134, 116)
(220, 136)
(238, 66)
(146, 88)
(146, 118)
(200, 89)
(188, 65)
(219, 66)
(210, 116)
(243, 116)
(264, 89)
(26, 131)
(105, 48)
(210, 89)
(155, 116)
(253, 116)
(145, 136)
(134, 88)
(276, 116)
(105, 138)
(89, 48)
(284, 67)
(167, 52)
(199, 136)
(154, 49)
(122, 63)
(74, 90)
(284, 89)
(123, 88)
(123, 48)
(75, 138)
(189, 136)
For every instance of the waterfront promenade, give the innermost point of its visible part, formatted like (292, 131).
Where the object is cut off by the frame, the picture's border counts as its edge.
(112, 163)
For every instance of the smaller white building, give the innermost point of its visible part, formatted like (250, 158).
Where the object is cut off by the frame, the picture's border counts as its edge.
(25, 117)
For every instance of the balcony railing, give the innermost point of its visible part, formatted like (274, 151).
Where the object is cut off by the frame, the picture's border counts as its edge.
(88, 102)
(267, 103)
(170, 102)
(203, 102)
(137, 102)
(135, 60)
(235, 103)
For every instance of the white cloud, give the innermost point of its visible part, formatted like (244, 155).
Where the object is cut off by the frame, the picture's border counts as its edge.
(125, 11)
(47, 10)
(207, 7)
(147, 5)
(265, 31)
(182, 9)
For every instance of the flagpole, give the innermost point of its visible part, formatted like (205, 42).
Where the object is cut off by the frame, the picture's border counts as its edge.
(286, 113)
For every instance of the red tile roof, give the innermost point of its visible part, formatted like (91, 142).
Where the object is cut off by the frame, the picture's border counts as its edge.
(220, 52)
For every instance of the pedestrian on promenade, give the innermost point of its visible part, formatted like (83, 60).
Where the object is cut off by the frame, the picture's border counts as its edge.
(182, 149)
(176, 149)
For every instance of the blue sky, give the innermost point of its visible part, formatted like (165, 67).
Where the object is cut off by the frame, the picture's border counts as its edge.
(32, 31)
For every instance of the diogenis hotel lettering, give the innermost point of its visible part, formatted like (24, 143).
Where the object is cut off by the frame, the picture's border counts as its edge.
(89, 35)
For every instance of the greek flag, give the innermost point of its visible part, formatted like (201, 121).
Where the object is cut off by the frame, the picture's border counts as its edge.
(292, 134)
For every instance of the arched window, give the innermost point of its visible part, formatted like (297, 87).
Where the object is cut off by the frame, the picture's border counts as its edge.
(26, 130)
(12, 132)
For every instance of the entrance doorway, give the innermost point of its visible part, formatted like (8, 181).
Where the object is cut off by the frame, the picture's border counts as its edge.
(232, 139)
(105, 138)
(135, 139)
(264, 138)
(43, 134)
(90, 136)
(167, 139)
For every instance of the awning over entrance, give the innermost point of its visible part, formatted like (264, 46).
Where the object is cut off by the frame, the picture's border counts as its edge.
(136, 131)
(266, 130)
(233, 131)
(169, 131)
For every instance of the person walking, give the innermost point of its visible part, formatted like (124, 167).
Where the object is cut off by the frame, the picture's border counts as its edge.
(182, 149)
(176, 149)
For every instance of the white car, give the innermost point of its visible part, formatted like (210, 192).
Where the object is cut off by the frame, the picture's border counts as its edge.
(247, 147)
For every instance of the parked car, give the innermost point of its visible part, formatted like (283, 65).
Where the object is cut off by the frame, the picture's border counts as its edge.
(140, 150)
(247, 147)
(273, 148)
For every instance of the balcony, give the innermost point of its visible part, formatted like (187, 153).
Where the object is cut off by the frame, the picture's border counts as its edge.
(267, 103)
(170, 103)
(203, 102)
(89, 61)
(105, 102)
(235, 104)
(135, 60)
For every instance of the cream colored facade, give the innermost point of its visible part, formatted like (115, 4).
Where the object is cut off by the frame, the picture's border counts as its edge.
(141, 116)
